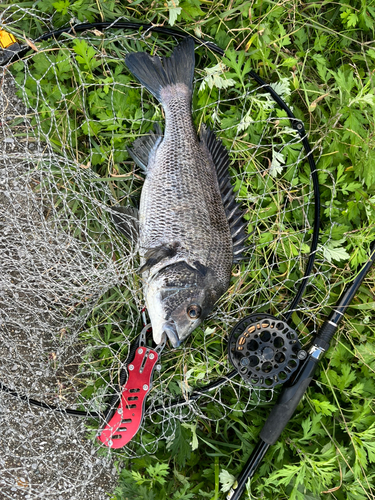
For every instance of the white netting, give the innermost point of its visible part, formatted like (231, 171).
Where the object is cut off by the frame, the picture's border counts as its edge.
(70, 296)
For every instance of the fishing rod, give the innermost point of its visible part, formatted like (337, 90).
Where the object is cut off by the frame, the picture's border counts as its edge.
(292, 392)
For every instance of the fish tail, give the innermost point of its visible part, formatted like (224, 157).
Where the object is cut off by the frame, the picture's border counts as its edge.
(157, 73)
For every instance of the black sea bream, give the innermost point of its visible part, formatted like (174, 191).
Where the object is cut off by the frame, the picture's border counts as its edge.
(190, 229)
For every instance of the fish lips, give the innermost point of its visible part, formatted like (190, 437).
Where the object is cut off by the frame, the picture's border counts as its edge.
(169, 328)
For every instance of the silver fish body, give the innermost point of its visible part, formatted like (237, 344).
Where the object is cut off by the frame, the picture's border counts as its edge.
(187, 214)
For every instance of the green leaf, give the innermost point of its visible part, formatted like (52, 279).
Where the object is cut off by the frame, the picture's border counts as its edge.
(180, 447)
(85, 54)
(192, 9)
(350, 18)
(324, 407)
(63, 66)
(306, 427)
(289, 62)
(334, 251)
(158, 472)
(312, 427)
(321, 66)
(364, 167)
(277, 164)
(320, 42)
(216, 78)
(174, 11)
(236, 61)
(342, 381)
(138, 478)
(128, 487)
(354, 130)
(227, 480)
(282, 87)
(348, 374)
(345, 81)
(193, 428)
(42, 64)
(62, 6)
(284, 476)
(91, 127)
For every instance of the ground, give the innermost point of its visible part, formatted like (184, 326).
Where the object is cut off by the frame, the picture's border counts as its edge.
(43, 454)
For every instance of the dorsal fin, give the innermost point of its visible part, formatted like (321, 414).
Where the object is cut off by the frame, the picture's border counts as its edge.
(233, 212)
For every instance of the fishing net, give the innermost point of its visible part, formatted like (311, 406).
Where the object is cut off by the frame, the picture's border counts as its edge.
(70, 295)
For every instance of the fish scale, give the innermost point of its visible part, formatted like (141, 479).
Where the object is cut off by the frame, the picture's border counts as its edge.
(181, 199)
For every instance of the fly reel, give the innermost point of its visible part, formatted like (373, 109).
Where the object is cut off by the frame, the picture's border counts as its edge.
(264, 350)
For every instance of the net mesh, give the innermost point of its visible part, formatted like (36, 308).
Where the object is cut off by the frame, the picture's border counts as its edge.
(70, 295)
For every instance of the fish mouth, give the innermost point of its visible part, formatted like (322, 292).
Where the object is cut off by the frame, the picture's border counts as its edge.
(169, 328)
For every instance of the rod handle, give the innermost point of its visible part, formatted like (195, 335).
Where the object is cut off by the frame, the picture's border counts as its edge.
(287, 403)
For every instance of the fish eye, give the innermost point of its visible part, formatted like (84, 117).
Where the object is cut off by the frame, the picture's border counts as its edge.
(194, 311)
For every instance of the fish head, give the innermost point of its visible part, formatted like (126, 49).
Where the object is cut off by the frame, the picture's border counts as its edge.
(178, 298)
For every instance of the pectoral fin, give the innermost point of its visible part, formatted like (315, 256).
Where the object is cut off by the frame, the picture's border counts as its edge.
(156, 254)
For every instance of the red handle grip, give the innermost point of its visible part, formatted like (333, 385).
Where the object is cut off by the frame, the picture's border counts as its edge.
(129, 415)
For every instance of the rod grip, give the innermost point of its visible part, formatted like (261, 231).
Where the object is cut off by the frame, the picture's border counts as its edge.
(287, 403)
(326, 333)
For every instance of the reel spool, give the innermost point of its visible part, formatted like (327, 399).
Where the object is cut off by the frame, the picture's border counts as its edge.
(264, 350)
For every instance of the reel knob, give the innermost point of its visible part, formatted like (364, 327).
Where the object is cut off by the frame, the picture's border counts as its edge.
(264, 350)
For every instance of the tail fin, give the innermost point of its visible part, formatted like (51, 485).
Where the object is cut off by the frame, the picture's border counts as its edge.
(156, 73)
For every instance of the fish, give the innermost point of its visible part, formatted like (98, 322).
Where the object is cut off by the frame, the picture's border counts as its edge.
(189, 228)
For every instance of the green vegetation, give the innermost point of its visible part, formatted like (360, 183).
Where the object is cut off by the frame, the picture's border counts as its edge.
(320, 57)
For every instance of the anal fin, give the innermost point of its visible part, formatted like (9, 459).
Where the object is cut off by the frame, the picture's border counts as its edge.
(144, 145)
(126, 220)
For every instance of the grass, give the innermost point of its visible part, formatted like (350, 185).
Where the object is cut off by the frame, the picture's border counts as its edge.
(320, 56)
